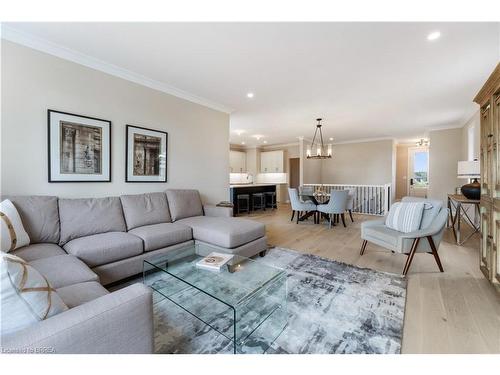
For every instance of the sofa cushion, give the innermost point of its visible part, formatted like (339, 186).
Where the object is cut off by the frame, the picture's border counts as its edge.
(380, 232)
(157, 236)
(40, 217)
(12, 234)
(63, 270)
(85, 217)
(405, 216)
(105, 247)
(26, 295)
(184, 203)
(38, 251)
(228, 232)
(145, 209)
(77, 294)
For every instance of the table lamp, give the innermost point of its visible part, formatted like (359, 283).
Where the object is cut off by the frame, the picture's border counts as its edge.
(470, 170)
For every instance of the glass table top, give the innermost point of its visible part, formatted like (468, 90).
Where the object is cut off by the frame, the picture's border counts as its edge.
(237, 281)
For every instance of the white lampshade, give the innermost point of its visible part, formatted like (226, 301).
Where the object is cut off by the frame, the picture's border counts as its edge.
(468, 169)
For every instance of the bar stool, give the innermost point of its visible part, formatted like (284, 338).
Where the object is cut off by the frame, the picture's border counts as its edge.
(261, 203)
(270, 199)
(243, 198)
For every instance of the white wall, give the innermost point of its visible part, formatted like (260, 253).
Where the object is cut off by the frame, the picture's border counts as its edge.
(369, 163)
(32, 82)
(444, 153)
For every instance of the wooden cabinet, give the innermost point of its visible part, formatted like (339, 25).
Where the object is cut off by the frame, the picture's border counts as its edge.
(489, 100)
(272, 161)
(237, 162)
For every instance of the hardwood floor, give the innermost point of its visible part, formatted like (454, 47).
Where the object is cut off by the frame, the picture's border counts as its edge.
(457, 311)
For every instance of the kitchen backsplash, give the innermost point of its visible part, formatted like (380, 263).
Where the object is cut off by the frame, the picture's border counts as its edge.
(261, 178)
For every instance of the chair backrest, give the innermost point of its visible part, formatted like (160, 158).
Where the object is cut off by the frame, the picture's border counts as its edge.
(431, 209)
(338, 201)
(350, 198)
(307, 190)
(294, 198)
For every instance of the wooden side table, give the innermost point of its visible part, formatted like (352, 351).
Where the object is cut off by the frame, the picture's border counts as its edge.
(462, 205)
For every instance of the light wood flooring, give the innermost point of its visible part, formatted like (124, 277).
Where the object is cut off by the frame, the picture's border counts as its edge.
(457, 311)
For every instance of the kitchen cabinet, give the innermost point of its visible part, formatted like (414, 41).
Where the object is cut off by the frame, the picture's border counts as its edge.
(272, 161)
(237, 162)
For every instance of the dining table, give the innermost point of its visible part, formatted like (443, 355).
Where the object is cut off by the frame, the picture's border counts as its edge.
(317, 199)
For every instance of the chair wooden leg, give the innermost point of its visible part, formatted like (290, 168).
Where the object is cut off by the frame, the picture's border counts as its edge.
(435, 253)
(293, 214)
(298, 216)
(411, 255)
(343, 219)
(363, 247)
(350, 214)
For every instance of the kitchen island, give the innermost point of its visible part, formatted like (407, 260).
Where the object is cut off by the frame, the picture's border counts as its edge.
(248, 189)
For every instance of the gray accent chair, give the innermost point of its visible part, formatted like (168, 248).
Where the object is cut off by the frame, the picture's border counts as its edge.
(336, 206)
(298, 206)
(424, 240)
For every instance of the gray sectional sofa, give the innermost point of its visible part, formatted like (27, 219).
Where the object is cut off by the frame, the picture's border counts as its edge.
(79, 245)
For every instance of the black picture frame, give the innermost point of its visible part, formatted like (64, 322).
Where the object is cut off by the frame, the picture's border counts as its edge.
(106, 124)
(129, 147)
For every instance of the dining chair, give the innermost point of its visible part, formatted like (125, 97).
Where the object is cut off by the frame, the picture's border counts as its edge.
(305, 191)
(297, 205)
(335, 206)
(350, 201)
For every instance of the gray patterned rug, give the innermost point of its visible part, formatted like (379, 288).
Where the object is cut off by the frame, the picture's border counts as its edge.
(332, 308)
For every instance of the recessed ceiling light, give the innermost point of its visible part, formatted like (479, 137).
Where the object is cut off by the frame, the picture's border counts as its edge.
(239, 132)
(331, 139)
(434, 35)
(257, 136)
(264, 142)
(242, 143)
(250, 95)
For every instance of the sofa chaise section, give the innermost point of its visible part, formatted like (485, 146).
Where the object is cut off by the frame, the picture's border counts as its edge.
(214, 228)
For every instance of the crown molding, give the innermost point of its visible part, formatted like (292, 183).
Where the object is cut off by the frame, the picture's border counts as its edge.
(444, 127)
(365, 140)
(43, 45)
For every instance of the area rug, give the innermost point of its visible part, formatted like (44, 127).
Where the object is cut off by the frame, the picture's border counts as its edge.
(332, 308)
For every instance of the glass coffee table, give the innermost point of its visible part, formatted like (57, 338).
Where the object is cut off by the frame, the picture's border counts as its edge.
(245, 301)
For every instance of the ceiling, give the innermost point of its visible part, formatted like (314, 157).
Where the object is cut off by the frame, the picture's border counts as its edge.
(367, 80)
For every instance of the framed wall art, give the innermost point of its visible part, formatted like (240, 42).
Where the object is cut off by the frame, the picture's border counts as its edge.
(146, 155)
(79, 148)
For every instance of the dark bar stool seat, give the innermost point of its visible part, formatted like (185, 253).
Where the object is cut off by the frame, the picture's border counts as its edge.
(258, 201)
(270, 199)
(246, 199)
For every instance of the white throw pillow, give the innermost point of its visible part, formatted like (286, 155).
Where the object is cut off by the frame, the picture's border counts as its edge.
(26, 296)
(13, 235)
(405, 216)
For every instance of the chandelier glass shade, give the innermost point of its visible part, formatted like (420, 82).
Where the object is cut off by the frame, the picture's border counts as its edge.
(317, 149)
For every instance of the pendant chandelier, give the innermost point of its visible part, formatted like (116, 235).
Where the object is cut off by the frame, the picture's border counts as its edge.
(423, 143)
(317, 149)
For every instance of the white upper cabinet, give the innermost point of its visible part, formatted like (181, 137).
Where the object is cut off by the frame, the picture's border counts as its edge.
(237, 162)
(272, 161)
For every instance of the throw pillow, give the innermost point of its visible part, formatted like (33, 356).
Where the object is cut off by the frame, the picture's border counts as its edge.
(26, 295)
(405, 216)
(13, 234)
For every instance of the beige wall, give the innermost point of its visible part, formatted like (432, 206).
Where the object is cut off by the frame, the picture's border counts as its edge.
(444, 153)
(359, 163)
(32, 82)
(401, 171)
(474, 122)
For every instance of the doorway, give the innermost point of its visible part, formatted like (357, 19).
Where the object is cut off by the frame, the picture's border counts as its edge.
(418, 171)
(294, 173)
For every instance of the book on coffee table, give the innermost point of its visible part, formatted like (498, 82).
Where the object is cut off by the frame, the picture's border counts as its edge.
(214, 261)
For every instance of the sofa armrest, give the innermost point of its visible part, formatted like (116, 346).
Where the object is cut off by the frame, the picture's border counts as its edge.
(214, 211)
(119, 322)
